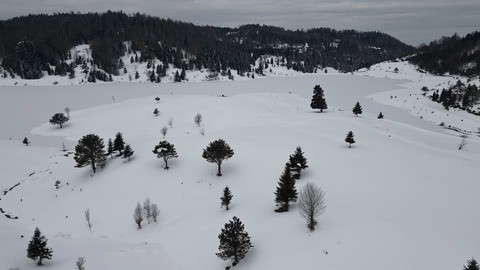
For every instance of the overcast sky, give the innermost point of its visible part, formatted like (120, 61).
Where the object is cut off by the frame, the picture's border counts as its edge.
(411, 21)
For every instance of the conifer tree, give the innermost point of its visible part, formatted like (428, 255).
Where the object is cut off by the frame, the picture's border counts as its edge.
(216, 152)
(118, 143)
(156, 112)
(110, 147)
(472, 265)
(357, 109)
(234, 241)
(297, 162)
(380, 115)
(89, 151)
(166, 151)
(318, 99)
(26, 141)
(157, 99)
(286, 191)
(58, 119)
(128, 152)
(37, 248)
(226, 198)
(349, 139)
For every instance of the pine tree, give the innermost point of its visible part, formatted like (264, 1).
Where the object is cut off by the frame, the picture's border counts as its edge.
(26, 141)
(216, 152)
(357, 109)
(318, 99)
(128, 152)
(166, 151)
(472, 265)
(37, 248)
(380, 115)
(349, 139)
(157, 99)
(226, 198)
(286, 191)
(58, 119)
(118, 143)
(297, 162)
(110, 147)
(137, 75)
(89, 151)
(234, 241)
(156, 112)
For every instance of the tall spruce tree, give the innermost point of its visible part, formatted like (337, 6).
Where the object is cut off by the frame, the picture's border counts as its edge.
(472, 265)
(226, 198)
(234, 241)
(216, 152)
(26, 141)
(166, 151)
(318, 99)
(286, 191)
(37, 248)
(297, 162)
(357, 109)
(89, 151)
(110, 147)
(349, 139)
(118, 143)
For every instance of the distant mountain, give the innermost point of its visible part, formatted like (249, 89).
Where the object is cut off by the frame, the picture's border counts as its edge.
(454, 55)
(37, 44)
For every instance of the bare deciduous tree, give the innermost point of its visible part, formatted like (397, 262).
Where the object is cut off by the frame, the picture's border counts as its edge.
(170, 122)
(312, 204)
(164, 131)
(197, 119)
(202, 131)
(80, 263)
(87, 219)
(138, 215)
(154, 211)
(67, 111)
(147, 209)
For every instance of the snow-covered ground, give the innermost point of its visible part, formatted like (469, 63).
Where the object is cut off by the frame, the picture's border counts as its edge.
(404, 193)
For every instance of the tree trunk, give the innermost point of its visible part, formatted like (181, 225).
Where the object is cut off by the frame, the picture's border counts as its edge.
(93, 167)
(166, 164)
(219, 173)
(39, 261)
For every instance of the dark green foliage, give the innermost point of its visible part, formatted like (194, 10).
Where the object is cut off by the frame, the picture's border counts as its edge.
(166, 151)
(450, 54)
(37, 248)
(234, 241)
(357, 109)
(297, 162)
(118, 143)
(128, 152)
(472, 265)
(216, 152)
(156, 112)
(58, 119)
(26, 141)
(349, 139)
(286, 191)
(380, 115)
(110, 147)
(89, 151)
(227, 197)
(37, 41)
(157, 99)
(318, 99)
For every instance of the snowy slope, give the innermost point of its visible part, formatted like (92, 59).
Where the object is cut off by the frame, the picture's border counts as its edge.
(402, 194)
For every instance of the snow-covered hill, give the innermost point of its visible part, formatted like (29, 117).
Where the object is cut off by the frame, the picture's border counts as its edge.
(404, 193)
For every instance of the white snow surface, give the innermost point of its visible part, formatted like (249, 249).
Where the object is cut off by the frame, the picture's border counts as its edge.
(403, 197)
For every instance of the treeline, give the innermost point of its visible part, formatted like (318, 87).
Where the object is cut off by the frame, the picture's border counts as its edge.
(34, 44)
(454, 55)
(458, 96)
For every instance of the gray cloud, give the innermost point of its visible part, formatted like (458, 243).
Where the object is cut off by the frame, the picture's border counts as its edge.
(413, 22)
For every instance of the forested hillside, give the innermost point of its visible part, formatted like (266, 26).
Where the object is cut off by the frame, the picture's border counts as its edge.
(454, 55)
(33, 45)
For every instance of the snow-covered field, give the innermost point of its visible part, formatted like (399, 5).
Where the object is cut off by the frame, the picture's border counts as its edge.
(404, 196)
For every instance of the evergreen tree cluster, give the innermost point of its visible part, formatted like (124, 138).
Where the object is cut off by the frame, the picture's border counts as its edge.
(453, 55)
(42, 43)
(458, 96)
